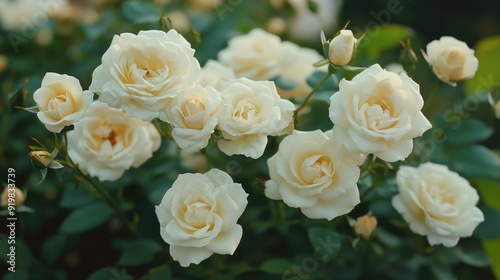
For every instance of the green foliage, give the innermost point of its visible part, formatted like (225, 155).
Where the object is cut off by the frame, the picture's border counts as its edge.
(86, 218)
(487, 76)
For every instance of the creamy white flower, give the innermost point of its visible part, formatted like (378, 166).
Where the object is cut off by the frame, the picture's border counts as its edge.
(451, 60)
(315, 173)
(252, 110)
(365, 225)
(378, 112)
(299, 70)
(437, 203)
(305, 25)
(258, 55)
(140, 73)
(24, 15)
(213, 71)
(193, 114)
(198, 216)
(106, 142)
(342, 48)
(61, 101)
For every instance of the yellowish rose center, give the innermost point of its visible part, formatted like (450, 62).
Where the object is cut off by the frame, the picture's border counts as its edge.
(193, 106)
(55, 101)
(245, 111)
(197, 213)
(316, 168)
(105, 132)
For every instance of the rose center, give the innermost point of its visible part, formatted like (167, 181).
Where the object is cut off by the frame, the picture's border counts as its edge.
(455, 58)
(245, 111)
(56, 100)
(316, 168)
(193, 106)
(197, 213)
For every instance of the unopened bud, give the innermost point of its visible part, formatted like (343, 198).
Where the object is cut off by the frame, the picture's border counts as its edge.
(40, 159)
(365, 225)
(408, 58)
(342, 48)
(12, 196)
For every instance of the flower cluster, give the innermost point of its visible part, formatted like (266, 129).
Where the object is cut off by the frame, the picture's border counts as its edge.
(154, 76)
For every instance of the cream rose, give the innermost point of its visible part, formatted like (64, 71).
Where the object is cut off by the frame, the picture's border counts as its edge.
(451, 60)
(213, 71)
(106, 142)
(299, 70)
(437, 203)
(342, 48)
(378, 112)
(61, 101)
(258, 55)
(193, 114)
(198, 216)
(252, 110)
(140, 73)
(315, 173)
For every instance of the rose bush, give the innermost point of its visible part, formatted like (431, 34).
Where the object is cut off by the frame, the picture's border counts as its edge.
(198, 216)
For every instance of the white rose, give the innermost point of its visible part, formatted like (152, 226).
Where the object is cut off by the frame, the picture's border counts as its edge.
(437, 202)
(106, 142)
(193, 114)
(198, 216)
(378, 112)
(61, 101)
(342, 48)
(252, 110)
(451, 60)
(213, 71)
(299, 70)
(315, 173)
(258, 55)
(140, 73)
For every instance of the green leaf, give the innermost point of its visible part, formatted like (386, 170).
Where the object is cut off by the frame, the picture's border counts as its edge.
(138, 252)
(490, 228)
(487, 75)
(53, 248)
(469, 131)
(275, 266)
(76, 197)
(160, 273)
(136, 12)
(313, 6)
(325, 242)
(477, 161)
(474, 258)
(387, 37)
(441, 272)
(86, 218)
